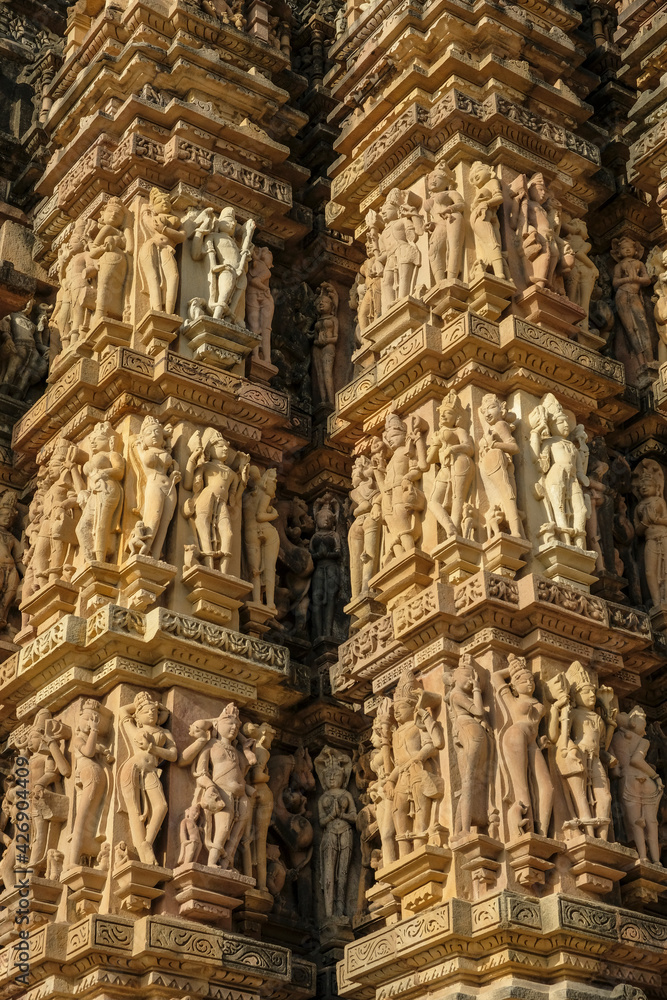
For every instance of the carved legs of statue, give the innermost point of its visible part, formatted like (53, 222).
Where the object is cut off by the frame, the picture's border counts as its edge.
(524, 761)
(436, 504)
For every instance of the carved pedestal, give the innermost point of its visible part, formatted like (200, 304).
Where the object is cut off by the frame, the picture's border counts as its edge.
(545, 308)
(107, 332)
(383, 907)
(489, 296)
(256, 618)
(408, 313)
(529, 857)
(39, 903)
(658, 616)
(257, 904)
(261, 371)
(402, 578)
(598, 864)
(458, 558)
(208, 893)
(447, 298)
(97, 583)
(567, 564)
(219, 342)
(215, 596)
(136, 884)
(505, 554)
(157, 330)
(644, 884)
(143, 580)
(477, 855)
(363, 609)
(46, 604)
(418, 879)
(86, 886)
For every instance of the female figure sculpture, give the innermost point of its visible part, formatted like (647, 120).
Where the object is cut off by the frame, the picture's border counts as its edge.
(580, 279)
(157, 257)
(56, 537)
(102, 500)
(364, 534)
(630, 276)
(473, 743)
(528, 783)
(382, 763)
(582, 736)
(402, 499)
(11, 565)
(259, 300)
(47, 764)
(444, 211)
(91, 783)
(650, 522)
(217, 496)
(148, 744)
(337, 812)
(77, 271)
(112, 248)
(452, 448)
(157, 477)
(496, 448)
(415, 784)
(641, 787)
(487, 199)
(222, 762)
(261, 803)
(262, 541)
(530, 218)
(325, 548)
(326, 338)
(399, 255)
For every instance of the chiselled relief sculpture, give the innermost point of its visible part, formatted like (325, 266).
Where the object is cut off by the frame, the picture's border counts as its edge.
(382, 764)
(337, 815)
(111, 250)
(581, 724)
(11, 565)
(402, 498)
(528, 788)
(444, 223)
(415, 785)
(261, 538)
(473, 740)
(650, 523)
(92, 783)
(629, 278)
(261, 803)
(487, 199)
(297, 562)
(56, 538)
(148, 745)
(157, 256)
(44, 747)
(497, 446)
(259, 300)
(640, 787)
(102, 500)
(326, 338)
(24, 349)
(581, 278)
(393, 243)
(77, 295)
(326, 551)
(157, 477)
(561, 456)
(656, 266)
(369, 289)
(222, 759)
(530, 218)
(291, 780)
(215, 506)
(215, 242)
(364, 536)
(452, 448)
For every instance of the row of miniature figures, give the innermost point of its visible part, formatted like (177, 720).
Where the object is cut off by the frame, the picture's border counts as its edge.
(292, 560)
(568, 765)
(389, 502)
(518, 234)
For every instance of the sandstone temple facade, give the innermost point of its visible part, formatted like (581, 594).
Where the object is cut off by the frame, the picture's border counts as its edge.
(333, 523)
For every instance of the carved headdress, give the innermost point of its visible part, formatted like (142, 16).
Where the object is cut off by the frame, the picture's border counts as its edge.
(451, 404)
(518, 669)
(648, 471)
(407, 688)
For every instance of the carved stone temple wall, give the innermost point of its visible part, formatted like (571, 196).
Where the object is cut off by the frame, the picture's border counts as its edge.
(333, 524)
